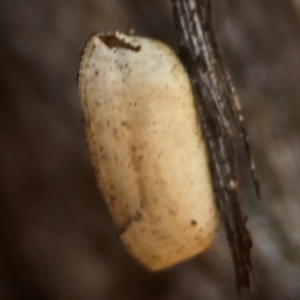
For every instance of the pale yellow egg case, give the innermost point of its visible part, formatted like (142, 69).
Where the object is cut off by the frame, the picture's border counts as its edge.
(147, 148)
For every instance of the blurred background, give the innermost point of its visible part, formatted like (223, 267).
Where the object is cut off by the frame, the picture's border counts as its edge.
(57, 240)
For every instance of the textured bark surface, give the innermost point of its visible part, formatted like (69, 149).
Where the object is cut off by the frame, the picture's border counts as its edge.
(57, 239)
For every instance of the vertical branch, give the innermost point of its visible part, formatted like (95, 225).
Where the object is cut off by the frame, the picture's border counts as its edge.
(221, 119)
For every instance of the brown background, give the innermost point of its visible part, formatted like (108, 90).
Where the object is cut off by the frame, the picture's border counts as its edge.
(57, 240)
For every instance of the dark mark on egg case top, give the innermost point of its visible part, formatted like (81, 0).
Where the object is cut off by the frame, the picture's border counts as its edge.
(112, 41)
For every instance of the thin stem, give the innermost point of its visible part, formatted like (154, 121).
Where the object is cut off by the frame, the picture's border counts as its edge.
(221, 119)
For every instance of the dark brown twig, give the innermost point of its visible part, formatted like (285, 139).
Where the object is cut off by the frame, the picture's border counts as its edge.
(221, 119)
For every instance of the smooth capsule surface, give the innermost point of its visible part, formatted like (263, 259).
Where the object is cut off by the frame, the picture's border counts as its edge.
(147, 148)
